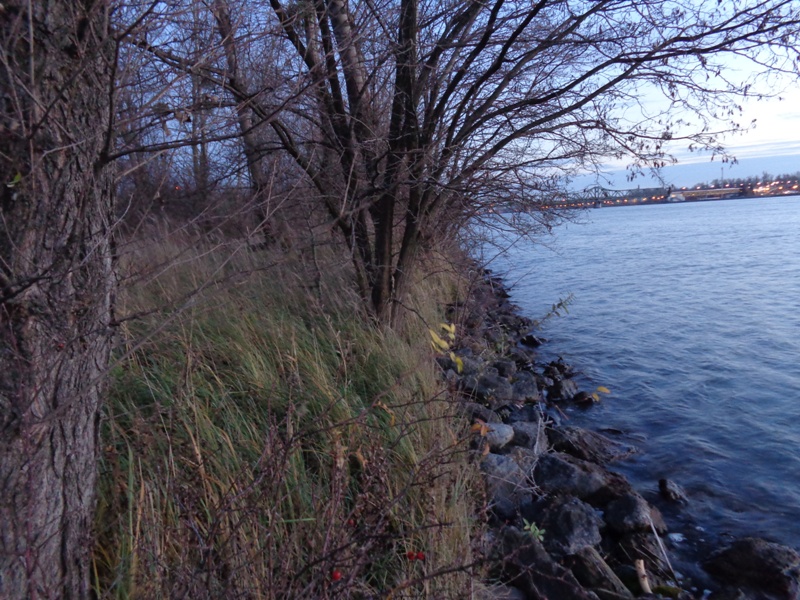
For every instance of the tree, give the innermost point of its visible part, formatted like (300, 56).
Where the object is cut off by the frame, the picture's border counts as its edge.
(434, 112)
(412, 118)
(56, 288)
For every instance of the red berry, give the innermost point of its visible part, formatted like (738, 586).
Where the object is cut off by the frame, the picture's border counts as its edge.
(411, 555)
(351, 523)
(336, 575)
(420, 556)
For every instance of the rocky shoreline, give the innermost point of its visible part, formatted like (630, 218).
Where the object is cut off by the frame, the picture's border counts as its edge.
(563, 524)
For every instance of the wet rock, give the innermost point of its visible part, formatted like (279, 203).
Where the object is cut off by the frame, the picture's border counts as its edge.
(506, 485)
(732, 593)
(527, 565)
(594, 573)
(499, 435)
(530, 435)
(631, 513)
(588, 445)
(473, 411)
(531, 341)
(760, 565)
(561, 474)
(671, 491)
(562, 390)
(528, 413)
(524, 388)
(570, 526)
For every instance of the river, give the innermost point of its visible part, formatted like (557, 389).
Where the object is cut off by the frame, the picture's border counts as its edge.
(690, 314)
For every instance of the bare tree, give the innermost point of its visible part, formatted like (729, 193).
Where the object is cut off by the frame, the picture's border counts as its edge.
(434, 111)
(56, 285)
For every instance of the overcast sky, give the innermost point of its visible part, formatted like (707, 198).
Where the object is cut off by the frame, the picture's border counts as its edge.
(772, 146)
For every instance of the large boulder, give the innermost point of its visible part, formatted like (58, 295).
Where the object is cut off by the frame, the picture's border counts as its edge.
(530, 435)
(506, 485)
(758, 564)
(594, 573)
(631, 513)
(558, 473)
(569, 526)
(588, 445)
(527, 565)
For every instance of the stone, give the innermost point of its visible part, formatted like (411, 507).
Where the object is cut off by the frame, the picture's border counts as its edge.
(569, 526)
(760, 565)
(672, 492)
(558, 473)
(594, 573)
(530, 435)
(525, 458)
(529, 413)
(498, 435)
(527, 566)
(506, 485)
(524, 388)
(588, 445)
(492, 388)
(562, 390)
(631, 513)
(474, 411)
(505, 368)
(531, 341)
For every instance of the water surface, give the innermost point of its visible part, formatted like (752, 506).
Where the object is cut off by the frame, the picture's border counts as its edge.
(690, 313)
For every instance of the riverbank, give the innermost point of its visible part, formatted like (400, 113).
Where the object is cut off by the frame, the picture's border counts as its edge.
(564, 523)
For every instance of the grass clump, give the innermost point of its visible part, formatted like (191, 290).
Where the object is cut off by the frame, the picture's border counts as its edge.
(264, 440)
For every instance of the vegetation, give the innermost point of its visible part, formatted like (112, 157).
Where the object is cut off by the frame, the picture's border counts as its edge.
(265, 443)
(270, 355)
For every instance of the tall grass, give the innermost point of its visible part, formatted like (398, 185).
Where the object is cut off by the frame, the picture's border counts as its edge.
(263, 439)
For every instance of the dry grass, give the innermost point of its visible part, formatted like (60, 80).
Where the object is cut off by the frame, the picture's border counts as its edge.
(263, 440)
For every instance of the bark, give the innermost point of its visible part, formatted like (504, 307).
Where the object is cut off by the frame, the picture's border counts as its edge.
(56, 285)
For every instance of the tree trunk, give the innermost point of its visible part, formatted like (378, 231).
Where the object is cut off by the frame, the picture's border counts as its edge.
(56, 285)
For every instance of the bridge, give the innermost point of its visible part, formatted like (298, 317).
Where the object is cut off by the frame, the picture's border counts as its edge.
(598, 196)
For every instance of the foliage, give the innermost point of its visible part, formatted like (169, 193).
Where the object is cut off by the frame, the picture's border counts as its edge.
(533, 530)
(266, 444)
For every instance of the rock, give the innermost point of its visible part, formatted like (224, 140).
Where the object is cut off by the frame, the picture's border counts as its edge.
(473, 411)
(594, 573)
(760, 565)
(672, 491)
(562, 390)
(631, 513)
(588, 445)
(506, 485)
(569, 525)
(527, 565)
(530, 435)
(558, 473)
(531, 341)
(524, 388)
(525, 458)
(492, 388)
(644, 546)
(528, 413)
(505, 368)
(499, 435)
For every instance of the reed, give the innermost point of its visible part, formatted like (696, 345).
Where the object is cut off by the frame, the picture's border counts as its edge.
(264, 439)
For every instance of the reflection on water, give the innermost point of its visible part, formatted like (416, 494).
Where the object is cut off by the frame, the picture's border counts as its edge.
(690, 314)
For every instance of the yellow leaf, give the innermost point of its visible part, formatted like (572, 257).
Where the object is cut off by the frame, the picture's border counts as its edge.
(603, 389)
(458, 361)
(596, 397)
(438, 343)
(450, 330)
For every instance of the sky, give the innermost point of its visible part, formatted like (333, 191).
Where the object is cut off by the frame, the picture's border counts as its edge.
(773, 146)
